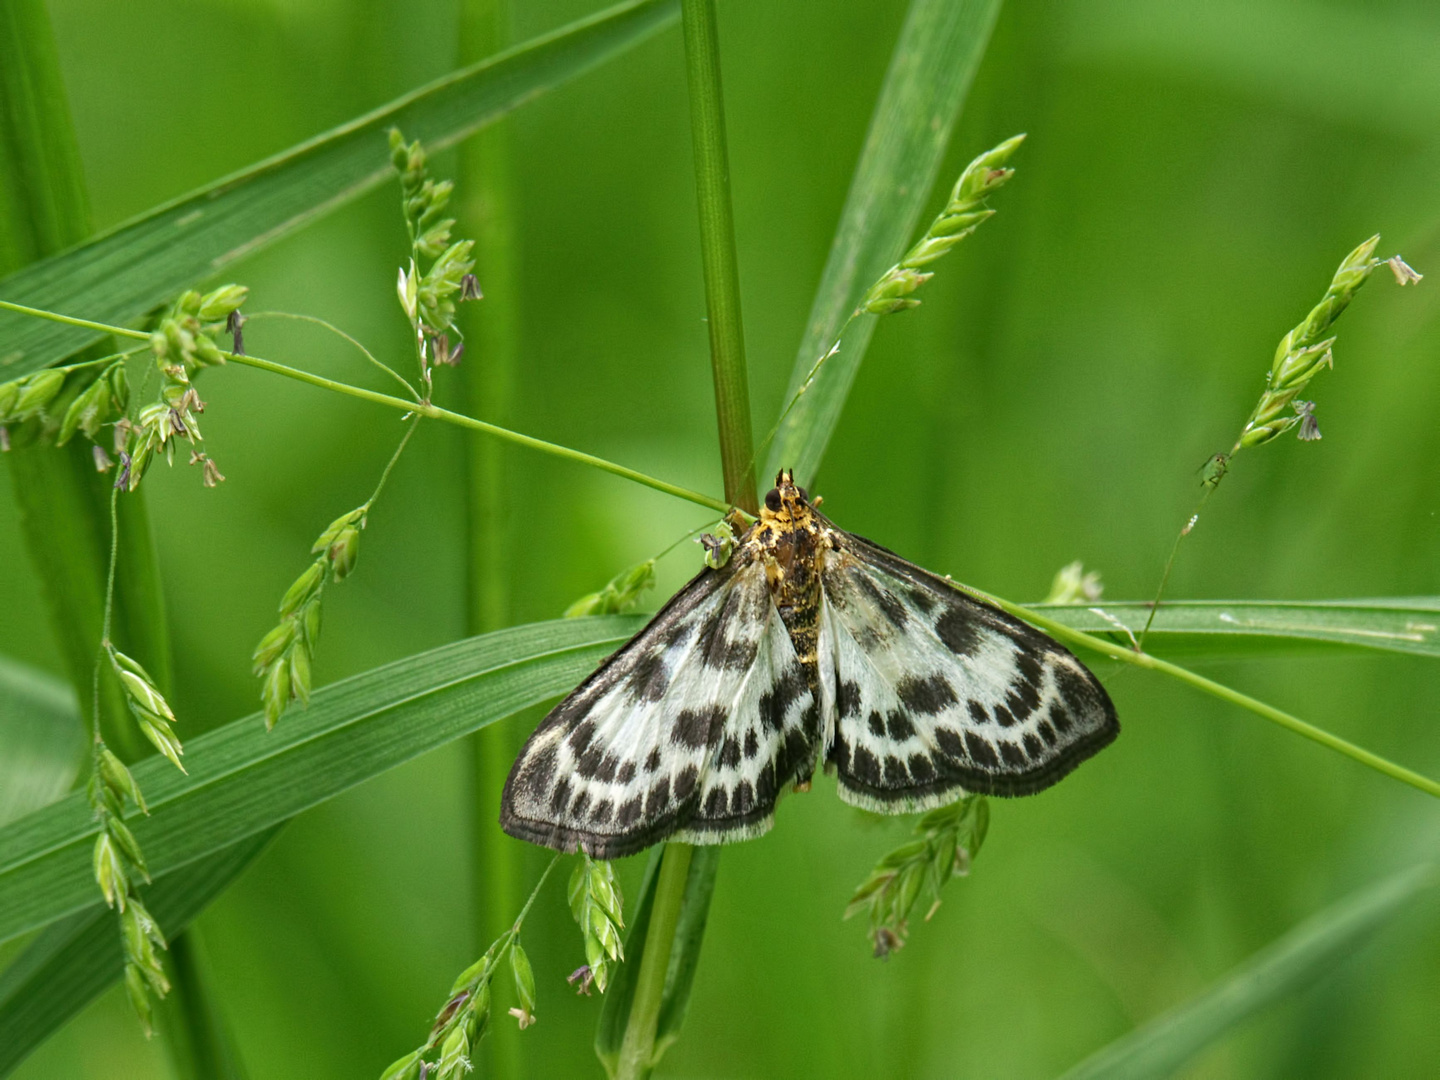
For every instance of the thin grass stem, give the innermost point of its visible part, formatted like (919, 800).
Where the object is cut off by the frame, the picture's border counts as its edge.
(430, 411)
(297, 317)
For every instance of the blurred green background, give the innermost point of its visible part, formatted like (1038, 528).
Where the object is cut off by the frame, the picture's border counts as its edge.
(1193, 175)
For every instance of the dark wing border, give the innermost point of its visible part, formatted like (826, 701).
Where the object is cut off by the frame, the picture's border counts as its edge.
(1024, 636)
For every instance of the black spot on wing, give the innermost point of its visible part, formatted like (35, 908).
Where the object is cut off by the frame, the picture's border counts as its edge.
(652, 760)
(1003, 717)
(685, 782)
(981, 752)
(1033, 749)
(959, 630)
(884, 599)
(626, 773)
(560, 797)
(1011, 754)
(928, 695)
(1047, 733)
(865, 766)
(743, 798)
(648, 679)
(899, 725)
(581, 736)
(876, 723)
(776, 701)
(921, 768)
(538, 771)
(579, 806)
(923, 599)
(847, 698)
(695, 727)
(978, 712)
(948, 739)
(730, 752)
(752, 744)
(629, 813)
(657, 799)
(716, 803)
(601, 814)
(765, 784)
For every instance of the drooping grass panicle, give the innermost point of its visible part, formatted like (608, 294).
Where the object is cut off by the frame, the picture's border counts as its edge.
(465, 1017)
(440, 271)
(285, 656)
(964, 212)
(183, 344)
(948, 839)
(1301, 355)
(596, 903)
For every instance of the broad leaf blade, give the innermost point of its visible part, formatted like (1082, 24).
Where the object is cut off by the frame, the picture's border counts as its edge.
(120, 275)
(42, 741)
(243, 780)
(930, 73)
(1165, 1044)
(74, 960)
(1407, 624)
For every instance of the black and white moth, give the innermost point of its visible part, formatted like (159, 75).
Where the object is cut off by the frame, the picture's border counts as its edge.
(809, 645)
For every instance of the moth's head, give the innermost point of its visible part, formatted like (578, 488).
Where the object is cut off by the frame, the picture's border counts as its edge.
(785, 502)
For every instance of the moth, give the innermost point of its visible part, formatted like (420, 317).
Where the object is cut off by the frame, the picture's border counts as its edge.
(810, 646)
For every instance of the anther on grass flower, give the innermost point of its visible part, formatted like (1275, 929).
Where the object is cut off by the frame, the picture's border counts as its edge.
(234, 322)
(1405, 274)
(1309, 427)
(581, 978)
(103, 462)
(470, 287)
(523, 1016)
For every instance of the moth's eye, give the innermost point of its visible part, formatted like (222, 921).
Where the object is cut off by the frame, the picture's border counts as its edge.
(772, 500)
(804, 495)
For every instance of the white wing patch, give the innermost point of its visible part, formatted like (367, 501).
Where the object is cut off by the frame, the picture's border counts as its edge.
(691, 729)
(929, 693)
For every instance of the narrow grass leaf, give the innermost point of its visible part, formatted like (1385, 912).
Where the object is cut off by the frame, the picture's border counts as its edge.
(1295, 961)
(120, 275)
(1406, 624)
(243, 779)
(42, 741)
(930, 73)
(71, 962)
(684, 957)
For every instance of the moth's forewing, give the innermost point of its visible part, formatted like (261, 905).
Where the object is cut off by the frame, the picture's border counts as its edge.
(691, 729)
(938, 693)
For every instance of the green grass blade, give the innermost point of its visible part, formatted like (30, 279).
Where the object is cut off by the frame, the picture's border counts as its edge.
(74, 960)
(1406, 624)
(930, 73)
(122, 274)
(684, 958)
(42, 741)
(243, 780)
(1295, 961)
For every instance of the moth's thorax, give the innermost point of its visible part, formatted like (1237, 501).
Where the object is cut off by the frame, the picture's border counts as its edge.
(791, 543)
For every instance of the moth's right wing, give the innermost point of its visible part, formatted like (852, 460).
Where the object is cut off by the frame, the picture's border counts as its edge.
(690, 730)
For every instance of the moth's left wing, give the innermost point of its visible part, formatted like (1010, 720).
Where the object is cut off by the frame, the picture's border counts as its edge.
(931, 693)
(690, 730)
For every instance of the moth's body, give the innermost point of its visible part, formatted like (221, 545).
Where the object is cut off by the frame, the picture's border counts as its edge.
(810, 645)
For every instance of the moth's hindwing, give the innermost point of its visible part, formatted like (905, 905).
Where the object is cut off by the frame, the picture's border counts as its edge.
(932, 693)
(692, 728)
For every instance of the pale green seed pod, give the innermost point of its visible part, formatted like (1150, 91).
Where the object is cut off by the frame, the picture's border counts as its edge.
(303, 588)
(524, 977)
(407, 1068)
(135, 990)
(9, 395)
(125, 841)
(38, 391)
(344, 552)
(275, 691)
(118, 778)
(300, 674)
(311, 621)
(216, 305)
(273, 644)
(109, 871)
(158, 732)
